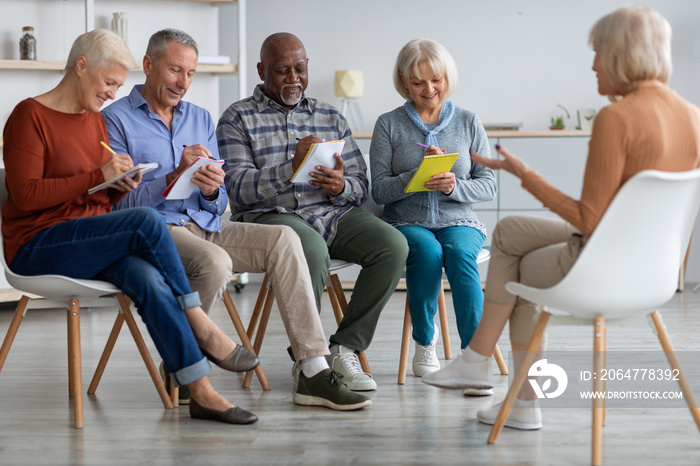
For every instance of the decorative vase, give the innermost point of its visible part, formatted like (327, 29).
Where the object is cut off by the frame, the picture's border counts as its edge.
(120, 26)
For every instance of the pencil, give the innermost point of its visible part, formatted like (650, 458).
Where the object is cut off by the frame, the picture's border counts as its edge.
(108, 148)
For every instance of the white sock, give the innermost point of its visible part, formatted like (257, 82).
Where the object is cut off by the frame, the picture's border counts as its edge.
(313, 365)
(336, 348)
(524, 403)
(472, 356)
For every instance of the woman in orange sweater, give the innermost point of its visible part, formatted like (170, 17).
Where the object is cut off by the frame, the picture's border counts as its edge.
(651, 127)
(51, 225)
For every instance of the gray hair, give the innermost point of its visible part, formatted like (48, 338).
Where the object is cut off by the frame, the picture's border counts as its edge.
(100, 47)
(634, 44)
(417, 52)
(158, 43)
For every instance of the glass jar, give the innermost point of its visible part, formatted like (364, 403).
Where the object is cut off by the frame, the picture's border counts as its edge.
(27, 44)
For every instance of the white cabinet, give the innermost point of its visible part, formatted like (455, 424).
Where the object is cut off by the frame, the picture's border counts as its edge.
(559, 156)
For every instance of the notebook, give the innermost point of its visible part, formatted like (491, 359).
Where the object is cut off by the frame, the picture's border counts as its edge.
(142, 167)
(182, 187)
(431, 165)
(319, 154)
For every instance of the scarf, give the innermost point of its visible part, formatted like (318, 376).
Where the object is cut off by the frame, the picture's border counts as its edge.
(446, 113)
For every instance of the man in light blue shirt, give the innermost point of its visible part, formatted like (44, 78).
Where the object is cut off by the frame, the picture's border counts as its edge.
(154, 124)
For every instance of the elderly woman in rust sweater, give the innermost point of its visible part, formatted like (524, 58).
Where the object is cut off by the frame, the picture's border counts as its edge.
(51, 224)
(651, 127)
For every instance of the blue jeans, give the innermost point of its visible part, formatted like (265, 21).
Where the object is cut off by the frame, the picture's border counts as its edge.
(456, 249)
(132, 249)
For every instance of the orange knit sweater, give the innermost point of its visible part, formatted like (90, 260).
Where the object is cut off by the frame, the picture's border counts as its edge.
(51, 160)
(650, 128)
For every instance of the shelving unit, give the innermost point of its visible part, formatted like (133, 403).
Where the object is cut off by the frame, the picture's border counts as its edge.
(58, 65)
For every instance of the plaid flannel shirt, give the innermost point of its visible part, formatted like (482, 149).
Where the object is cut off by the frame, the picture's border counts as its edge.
(257, 139)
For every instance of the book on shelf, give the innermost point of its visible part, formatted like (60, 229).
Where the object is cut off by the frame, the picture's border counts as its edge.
(503, 126)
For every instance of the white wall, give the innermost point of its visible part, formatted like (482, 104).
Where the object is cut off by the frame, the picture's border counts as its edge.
(517, 59)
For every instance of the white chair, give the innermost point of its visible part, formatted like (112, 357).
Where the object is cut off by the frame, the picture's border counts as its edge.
(629, 267)
(56, 292)
(484, 256)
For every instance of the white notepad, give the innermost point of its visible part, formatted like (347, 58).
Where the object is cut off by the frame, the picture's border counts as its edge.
(142, 167)
(319, 154)
(182, 187)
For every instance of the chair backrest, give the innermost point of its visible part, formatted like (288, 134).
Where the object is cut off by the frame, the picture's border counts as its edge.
(49, 286)
(632, 260)
(369, 205)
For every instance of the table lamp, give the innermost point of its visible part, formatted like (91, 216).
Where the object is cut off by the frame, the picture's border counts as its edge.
(349, 86)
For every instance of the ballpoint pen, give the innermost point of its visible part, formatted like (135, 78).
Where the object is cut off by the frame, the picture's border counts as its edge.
(423, 145)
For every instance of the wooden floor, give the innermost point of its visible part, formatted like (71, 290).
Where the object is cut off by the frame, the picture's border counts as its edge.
(126, 424)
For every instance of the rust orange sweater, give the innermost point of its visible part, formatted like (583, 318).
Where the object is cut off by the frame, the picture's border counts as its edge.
(51, 160)
(650, 128)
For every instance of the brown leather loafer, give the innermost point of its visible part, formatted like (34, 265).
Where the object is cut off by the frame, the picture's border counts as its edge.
(233, 415)
(240, 360)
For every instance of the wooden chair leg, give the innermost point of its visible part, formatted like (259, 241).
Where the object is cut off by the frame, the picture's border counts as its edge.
(339, 305)
(265, 295)
(259, 335)
(143, 350)
(405, 342)
(442, 310)
(109, 346)
(245, 340)
(75, 374)
(520, 377)
(598, 386)
(500, 362)
(12, 331)
(676, 365)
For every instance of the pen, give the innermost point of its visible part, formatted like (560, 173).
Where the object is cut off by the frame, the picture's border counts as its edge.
(108, 148)
(423, 145)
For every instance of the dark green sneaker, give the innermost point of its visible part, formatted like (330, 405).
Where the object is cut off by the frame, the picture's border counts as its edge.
(327, 389)
(184, 393)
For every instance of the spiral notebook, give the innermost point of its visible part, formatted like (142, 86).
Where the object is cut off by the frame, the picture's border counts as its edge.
(319, 154)
(431, 165)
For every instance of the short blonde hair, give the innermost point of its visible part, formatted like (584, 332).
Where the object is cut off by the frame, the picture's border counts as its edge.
(417, 52)
(100, 47)
(634, 44)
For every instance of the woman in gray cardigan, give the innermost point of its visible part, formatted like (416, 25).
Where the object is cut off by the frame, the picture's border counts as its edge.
(440, 225)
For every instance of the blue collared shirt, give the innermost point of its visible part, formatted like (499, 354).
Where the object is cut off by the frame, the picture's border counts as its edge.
(135, 130)
(258, 138)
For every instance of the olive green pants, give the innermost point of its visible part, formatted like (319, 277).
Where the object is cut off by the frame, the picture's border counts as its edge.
(362, 239)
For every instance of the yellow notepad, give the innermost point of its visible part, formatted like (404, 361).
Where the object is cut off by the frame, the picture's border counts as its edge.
(431, 165)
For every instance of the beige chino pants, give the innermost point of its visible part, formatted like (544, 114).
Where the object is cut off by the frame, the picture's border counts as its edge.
(534, 251)
(209, 259)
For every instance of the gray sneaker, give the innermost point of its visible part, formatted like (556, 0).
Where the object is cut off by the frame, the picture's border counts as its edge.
(184, 393)
(327, 389)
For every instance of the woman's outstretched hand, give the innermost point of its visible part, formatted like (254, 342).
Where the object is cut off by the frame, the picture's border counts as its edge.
(510, 162)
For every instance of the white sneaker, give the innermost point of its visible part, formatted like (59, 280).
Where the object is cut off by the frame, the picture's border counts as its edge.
(477, 392)
(425, 360)
(348, 365)
(461, 374)
(523, 418)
